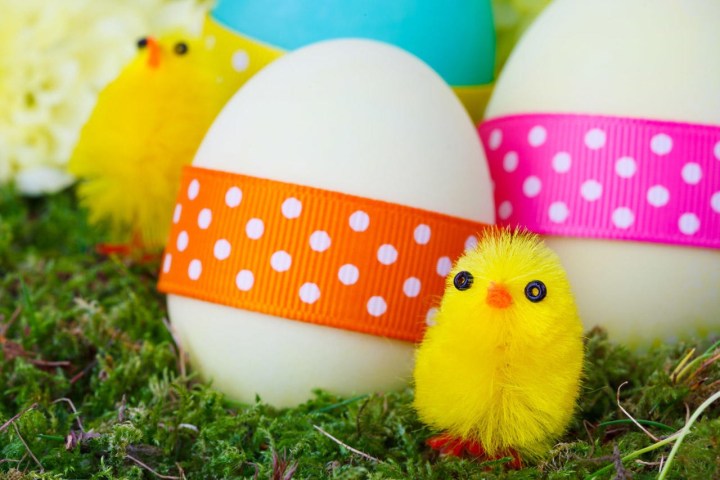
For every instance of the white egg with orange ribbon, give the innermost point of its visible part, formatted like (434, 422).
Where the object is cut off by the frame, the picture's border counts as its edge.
(314, 231)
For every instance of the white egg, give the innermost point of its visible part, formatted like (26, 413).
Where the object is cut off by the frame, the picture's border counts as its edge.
(355, 116)
(655, 60)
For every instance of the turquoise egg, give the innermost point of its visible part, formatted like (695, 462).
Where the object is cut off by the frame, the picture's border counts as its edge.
(457, 38)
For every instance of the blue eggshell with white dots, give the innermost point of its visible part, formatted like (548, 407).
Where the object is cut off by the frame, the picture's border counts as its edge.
(457, 39)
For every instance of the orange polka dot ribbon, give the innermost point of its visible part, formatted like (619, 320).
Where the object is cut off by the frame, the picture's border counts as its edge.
(309, 254)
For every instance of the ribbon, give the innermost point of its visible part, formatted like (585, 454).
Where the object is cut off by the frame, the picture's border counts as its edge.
(309, 254)
(606, 177)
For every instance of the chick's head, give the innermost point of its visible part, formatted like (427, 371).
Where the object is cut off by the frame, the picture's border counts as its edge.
(174, 53)
(510, 289)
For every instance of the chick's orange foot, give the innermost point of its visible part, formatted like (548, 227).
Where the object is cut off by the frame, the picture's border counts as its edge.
(449, 445)
(131, 251)
(457, 447)
(108, 249)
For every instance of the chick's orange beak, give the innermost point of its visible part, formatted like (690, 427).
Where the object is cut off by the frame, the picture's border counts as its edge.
(498, 296)
(153, 52)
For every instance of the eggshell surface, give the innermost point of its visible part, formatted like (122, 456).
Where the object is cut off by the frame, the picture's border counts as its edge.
(355, 116)
(654, 60)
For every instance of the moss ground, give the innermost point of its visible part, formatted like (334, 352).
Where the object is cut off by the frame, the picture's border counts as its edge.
(91, 386)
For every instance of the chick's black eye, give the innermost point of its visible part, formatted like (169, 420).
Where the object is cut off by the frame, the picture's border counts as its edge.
(181, 48)
(142, 43)
(463, 280)
(535, 291)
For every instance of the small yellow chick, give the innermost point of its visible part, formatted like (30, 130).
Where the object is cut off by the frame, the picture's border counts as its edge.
(500, 370)
(146, 125)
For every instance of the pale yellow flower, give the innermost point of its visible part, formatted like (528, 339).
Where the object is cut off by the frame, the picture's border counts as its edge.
(54, 59)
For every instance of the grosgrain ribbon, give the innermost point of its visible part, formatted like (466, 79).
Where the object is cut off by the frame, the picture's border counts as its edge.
(309, 254)
(606, 177)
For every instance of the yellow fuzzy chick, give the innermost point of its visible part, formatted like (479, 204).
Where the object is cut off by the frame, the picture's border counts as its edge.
(499, 372)
(147, 124)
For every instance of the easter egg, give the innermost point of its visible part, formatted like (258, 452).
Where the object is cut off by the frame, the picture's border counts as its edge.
(603, 133)
(345, 144)
(456, 39)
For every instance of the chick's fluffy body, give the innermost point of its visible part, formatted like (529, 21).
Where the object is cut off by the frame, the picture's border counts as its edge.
(147, 124)
(505, 377)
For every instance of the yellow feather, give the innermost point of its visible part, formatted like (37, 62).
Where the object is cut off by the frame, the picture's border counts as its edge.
(505, 377)
(146, 125)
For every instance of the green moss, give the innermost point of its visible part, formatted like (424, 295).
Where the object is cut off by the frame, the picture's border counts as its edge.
(80, 328)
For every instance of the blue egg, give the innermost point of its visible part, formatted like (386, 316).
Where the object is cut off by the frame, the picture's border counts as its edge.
(455, 38)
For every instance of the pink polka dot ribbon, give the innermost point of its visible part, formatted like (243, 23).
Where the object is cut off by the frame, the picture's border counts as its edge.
(309, 254)
(606, 177)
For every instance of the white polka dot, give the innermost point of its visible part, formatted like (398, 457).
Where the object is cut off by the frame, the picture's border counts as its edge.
(167, 263)
(376, 306)
(510, 161)
(195, 269)
(692, 173)
(537, 136)
(177, 213)
(193, 189)
(281, 261)
(182, 241)
(204, 218)
(210, 42)
(689, 223)
(495, 139)
(254, 228)
(221, 250)
(717, 150)
(558, 212)
(661, 144)
(595, 138)
(625, 167)
(532, 186)
(715, 202)
(591, 190)
(623, 217)
(233, 197)
(658, 196)
(359, 221)
(561, 162)
(291, 208)
(348, 274)
(309, 293)
(320, 241)
(471, 242)
(430, 317)
(386, 254)
(411, 287)
(505, 210)
(444, 265)
(244, 280)
(240, 60)
(422, 234)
